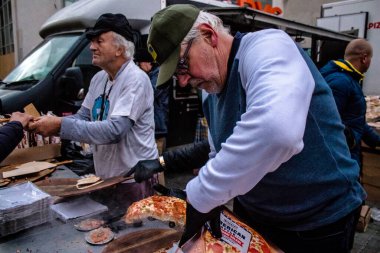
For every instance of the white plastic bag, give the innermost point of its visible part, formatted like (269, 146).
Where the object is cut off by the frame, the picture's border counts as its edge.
(375, 214)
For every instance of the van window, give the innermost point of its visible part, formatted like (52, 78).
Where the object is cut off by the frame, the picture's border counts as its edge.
(40, 62)
(84, 62)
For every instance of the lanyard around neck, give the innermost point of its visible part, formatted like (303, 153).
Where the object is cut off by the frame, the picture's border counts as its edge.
(104, 99)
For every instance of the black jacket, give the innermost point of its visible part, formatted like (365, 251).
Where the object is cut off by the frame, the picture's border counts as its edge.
(10, 135)
(188, 157)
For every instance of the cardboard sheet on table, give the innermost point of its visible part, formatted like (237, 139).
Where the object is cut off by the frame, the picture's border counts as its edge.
(31, 110)
(28, 168)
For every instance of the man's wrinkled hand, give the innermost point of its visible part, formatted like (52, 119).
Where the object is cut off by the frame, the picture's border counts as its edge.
(195, 220)
(46, 125)
(23, 118)
(145, 169)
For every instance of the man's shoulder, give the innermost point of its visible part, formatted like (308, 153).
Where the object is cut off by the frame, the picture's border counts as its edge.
(133, 72)
(100, 75)
(263, 34)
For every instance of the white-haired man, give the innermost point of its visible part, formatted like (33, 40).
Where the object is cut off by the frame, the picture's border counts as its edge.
(117, 115)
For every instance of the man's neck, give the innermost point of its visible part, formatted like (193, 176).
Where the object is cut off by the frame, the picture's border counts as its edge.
(114, 68)
(224, 54)
(356, 64)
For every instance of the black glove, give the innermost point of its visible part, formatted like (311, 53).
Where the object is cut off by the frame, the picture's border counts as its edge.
(195, 220)
(172, 192)
(145, 169)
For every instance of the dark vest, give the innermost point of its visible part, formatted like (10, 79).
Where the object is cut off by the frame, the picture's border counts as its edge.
(319, 182)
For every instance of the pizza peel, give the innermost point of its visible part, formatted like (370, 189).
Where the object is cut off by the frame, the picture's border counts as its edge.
(144, 241)
(66, 187)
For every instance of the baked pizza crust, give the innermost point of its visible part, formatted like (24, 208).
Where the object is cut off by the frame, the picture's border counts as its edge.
(163, 208)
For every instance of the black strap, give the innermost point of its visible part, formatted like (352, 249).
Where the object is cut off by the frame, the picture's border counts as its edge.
(104, 99)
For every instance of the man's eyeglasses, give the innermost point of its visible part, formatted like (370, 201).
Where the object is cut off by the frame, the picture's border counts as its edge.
(183, 64)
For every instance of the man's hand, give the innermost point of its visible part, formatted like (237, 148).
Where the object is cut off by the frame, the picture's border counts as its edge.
(46, 125)
(23, 118)
(145, 169)
(195, 220)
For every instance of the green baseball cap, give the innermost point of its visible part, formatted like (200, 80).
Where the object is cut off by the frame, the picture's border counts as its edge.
(168, 29)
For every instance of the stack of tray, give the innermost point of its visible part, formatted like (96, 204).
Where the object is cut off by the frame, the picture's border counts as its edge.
(23, 206)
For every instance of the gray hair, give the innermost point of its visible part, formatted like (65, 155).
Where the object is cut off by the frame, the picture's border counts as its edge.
(204, 17)
(129, 46)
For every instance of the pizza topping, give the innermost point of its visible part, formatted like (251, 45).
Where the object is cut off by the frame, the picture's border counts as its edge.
(173, 209)
(89, 224)
(100, 235)
(159, 207)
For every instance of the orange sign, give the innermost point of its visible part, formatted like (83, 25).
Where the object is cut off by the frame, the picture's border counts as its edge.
(258, 6)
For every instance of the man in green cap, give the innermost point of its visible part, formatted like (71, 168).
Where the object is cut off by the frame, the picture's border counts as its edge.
(277, 143)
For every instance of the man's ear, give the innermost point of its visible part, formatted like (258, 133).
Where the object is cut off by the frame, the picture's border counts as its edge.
(365, 58)
(120, 51)
(209, 34)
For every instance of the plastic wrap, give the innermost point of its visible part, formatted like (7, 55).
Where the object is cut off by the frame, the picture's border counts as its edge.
(23, 206)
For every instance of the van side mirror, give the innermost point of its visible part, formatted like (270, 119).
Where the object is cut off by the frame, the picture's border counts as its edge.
(71, 84)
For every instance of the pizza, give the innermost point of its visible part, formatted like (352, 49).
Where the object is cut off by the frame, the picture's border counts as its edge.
(257, 243)
(174, 209)
(89, 224)
(88, 181)
(159, 207)
(163, 250)
(214, 245)
(100, 235)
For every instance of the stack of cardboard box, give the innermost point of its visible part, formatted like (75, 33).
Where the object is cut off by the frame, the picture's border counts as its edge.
(371, 157)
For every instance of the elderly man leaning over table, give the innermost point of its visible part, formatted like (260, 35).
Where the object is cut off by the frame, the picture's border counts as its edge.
(277, 142)
(116, 116)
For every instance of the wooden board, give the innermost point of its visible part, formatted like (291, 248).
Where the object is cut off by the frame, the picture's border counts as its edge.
(31, 177)
(66, 187)
(143, 241)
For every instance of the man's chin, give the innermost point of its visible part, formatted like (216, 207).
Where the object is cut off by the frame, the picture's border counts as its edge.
(210, 88)
(95, 62)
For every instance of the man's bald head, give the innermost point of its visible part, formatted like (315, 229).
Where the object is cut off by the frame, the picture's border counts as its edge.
(359, 53)
(356, 48)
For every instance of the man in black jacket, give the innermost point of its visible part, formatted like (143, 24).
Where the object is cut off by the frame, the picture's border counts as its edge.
(12, 133)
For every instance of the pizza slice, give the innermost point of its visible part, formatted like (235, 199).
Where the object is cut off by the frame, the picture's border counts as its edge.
(174, 209)
(163, 208)
(88, 181)
(214, 245)
(257, 243)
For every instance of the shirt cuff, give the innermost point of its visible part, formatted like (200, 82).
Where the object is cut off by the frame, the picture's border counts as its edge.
(199, 198)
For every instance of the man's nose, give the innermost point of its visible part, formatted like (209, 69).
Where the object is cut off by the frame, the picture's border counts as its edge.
(92, 46)
(183, 80)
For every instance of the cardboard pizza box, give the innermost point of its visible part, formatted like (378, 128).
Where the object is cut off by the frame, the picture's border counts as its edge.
(28, 168)
(236, 237)
(24, 155)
